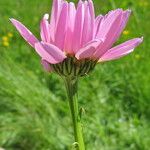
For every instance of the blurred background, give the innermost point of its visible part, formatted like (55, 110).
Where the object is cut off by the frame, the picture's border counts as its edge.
(34, 112)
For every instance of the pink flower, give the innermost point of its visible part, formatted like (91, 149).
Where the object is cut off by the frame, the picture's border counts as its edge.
(76, 32)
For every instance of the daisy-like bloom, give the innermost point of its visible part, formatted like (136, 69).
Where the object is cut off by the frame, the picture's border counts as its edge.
(74, 40)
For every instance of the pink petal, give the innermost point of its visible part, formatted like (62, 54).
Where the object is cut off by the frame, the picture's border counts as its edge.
(45, 29)
(98, 23)
(61, 27)
(121, 50)
(79, 20)
(49, 52)
(56, 9)
(70, 27)
(124, 20)
(46, 65)
(92, 14)
(110, 20)
(109, 29)
(117, 29)
(88, 50)
(79, 3)
(25, 33)
(87, 33)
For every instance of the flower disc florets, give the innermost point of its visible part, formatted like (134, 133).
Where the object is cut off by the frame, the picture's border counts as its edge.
(73, 67)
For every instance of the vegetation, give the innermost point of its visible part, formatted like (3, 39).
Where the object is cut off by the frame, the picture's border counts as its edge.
(34, 112)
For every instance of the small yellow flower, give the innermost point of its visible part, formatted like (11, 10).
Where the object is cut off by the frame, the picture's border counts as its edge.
(137, 56)
(126, 32)
(10, 35)
(5, 43)
(5, 39)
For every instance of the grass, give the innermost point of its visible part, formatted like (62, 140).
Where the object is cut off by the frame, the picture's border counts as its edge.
(34, 113)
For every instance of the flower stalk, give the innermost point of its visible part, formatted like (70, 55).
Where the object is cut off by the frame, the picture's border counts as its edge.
(71, 87)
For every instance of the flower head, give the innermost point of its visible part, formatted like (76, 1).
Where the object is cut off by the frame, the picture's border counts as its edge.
(5, 41)
(10, 35)
(126, 32)
(74, 40)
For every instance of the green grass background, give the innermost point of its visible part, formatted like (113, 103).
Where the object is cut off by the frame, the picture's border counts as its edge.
(34, 113)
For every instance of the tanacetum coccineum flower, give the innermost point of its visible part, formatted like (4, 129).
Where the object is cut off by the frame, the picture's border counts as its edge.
(76, 40)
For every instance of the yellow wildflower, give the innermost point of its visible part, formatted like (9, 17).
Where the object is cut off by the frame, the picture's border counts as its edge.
(5, 39)
(137, 56)
(126, 32)
(10, 34)
(5, 43)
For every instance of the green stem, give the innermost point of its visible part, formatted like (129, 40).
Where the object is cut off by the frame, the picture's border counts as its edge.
(71, 87)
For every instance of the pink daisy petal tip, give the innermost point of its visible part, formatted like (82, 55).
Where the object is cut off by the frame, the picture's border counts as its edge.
(25, 33)
(121, 50)
(142, 38)
(46, 16)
